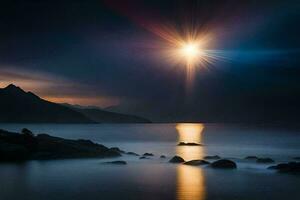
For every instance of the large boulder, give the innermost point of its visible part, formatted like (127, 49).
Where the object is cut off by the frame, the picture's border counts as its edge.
(291, 167)
(176, 159)
(224, 164)
(196, 162)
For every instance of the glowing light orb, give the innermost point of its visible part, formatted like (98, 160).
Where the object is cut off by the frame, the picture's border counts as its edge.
(191, 52)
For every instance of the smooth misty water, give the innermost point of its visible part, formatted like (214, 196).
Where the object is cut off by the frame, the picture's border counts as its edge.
(155, 178)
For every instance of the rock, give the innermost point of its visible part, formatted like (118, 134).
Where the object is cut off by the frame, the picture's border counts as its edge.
(163, 156)
(26, 131)
(251, 158)
(297, 158)
(148, 154)
(144, 157)
(117, 150)
(132, 154)
(224, 164)
(176, 159)
(196, 162)
(118, 162)
(216, 157)
(188, 144)
(14, 147)
(265, 160)
(291, 167)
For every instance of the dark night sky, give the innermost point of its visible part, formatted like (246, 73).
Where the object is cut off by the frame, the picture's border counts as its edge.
(104, 53)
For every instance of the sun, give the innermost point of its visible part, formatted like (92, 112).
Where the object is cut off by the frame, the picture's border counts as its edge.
(191, 51)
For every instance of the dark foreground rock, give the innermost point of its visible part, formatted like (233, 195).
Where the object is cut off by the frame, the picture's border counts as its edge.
(216, 157)
(224, 164)
(188, 144)
(26, 146)
(196, 162)
(148, 154)
(176, 159)
(118, 162)
(297, 158)
(291, 167)
(265, 160)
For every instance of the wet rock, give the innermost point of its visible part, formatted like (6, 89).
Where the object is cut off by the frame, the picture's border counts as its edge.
(196, 162)
(265, 160)
(148, 154)
(132, 154)
(291, 167)
(224, 164)
(163, 156)
(251, 158)
(215, 157)
(117, 162)
(188, 144)
(176, 159)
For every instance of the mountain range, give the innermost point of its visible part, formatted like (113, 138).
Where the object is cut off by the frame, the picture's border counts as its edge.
(18, 106)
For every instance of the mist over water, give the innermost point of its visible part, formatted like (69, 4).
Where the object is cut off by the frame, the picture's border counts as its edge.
(155, 178)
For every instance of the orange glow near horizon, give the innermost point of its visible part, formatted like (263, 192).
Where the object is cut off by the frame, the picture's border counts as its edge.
(84, 101)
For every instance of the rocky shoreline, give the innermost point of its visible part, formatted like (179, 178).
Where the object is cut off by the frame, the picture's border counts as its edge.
(27, 146)
(24, 146)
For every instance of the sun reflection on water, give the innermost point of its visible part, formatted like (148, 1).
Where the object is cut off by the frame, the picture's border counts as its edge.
(190, 183)
(190, 180)
(190, 132)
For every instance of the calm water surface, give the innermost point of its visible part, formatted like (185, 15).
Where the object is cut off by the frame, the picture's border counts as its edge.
(155, 178)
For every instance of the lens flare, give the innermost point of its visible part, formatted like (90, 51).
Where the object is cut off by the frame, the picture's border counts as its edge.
(191, 51)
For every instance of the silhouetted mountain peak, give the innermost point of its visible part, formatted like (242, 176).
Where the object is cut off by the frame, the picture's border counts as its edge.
(13, 88)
